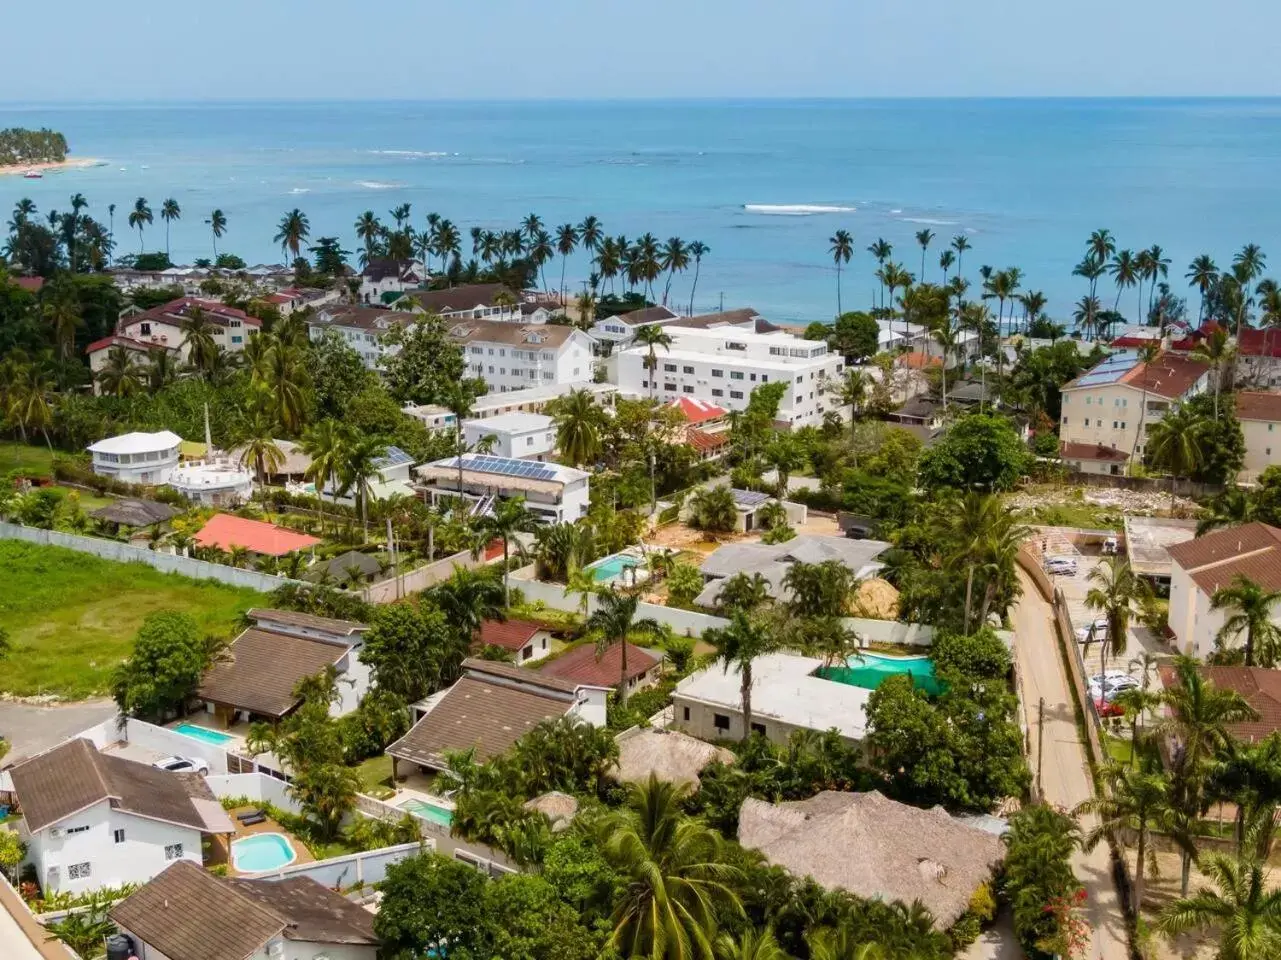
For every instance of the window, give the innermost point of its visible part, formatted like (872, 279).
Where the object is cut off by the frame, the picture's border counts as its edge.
(764, 378)
(736, 394)
(686, 709)
(669, 368)
(1064, 421)
(118, 836)
(758, 728)
(237, 339)
(1088, 401)
(145, 329)
(687, 388)
(527, 653)
(71, 830)
(1122, 424)
(800, 379)
(736, 374)
(753, 378)
(719, 721)
(529, 441)
(1270, 426)
(669, 386)
(718, 373)
(79, 871)
(687, 369)
(717, 392)
(1114, 424)
(173, 851)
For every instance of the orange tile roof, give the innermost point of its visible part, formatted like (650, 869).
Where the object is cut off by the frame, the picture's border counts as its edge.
(698, 411)
(226, 531)
(508, 634)
(1090, 451)
(919, 360)
(1259, 406)
(1252, 550)
(1261, 688)
(582, 666)
(1167, 376)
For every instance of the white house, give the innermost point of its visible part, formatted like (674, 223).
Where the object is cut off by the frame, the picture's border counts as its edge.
(187, 913)
(1109, 411)
(391, 478)
(555, 493)
(1260, 418)
(514, 356)
(526, 436)
(617, 332)
(95, 820)
(361, 328)
(724, 364)
(475, 301)
(148, 458)
(383, 278)
(216, 481)
(1202, 566)
(525, 640)
(141, 351)
(163, 325)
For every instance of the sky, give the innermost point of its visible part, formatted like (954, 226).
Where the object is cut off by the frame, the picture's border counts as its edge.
(85, 50)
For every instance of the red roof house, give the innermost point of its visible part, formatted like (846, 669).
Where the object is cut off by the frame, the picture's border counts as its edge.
(525, 639)
(30, 284)
(698, 411)
(582, 666)
(225, 531)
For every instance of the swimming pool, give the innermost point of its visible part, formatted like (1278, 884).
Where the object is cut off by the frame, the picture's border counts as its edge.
(429, 811)
(262, 851)
(869, 669)
(611, 568)
(204, 734)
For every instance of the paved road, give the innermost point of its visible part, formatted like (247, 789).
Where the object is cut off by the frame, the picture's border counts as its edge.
(31, 729)
(1065, 777)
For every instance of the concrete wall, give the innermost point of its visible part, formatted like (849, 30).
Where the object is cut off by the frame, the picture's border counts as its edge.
(420, 578)
(127, 553)
(166, 742)
(336, 873)
(256, 786)
(479, 855)
(701, 722)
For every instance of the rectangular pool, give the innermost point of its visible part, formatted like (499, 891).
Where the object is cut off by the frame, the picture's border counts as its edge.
(867, 670)
(203, 734)
(611, 568)
(442, 816)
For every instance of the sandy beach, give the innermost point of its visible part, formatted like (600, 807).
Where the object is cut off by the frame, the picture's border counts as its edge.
(50, 166)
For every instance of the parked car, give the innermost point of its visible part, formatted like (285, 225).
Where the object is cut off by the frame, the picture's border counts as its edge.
(1100, 678)
(1095, 632)
(183, 765)
(1105, 709)
(1061, 566)
(1110, 688)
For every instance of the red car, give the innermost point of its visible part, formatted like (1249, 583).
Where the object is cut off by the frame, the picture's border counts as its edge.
(1105, 709)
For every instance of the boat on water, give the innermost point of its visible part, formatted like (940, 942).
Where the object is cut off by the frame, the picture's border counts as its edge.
(33, 175)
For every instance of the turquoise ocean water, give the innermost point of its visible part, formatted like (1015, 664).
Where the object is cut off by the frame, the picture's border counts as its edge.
(763, 183)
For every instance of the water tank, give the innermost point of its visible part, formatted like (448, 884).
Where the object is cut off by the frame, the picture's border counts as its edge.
(119, 947)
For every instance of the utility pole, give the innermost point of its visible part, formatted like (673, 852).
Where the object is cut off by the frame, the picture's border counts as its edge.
(391, 549)
(1040, 746)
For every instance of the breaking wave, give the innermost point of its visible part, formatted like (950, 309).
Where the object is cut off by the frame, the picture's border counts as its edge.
(928, 222)
(377, 185)
(794, 209)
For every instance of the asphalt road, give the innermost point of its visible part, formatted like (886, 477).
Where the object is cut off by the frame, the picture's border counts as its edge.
(32, 729)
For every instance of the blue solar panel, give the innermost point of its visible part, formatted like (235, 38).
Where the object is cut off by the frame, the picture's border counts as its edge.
(507, 467)
(394, 457)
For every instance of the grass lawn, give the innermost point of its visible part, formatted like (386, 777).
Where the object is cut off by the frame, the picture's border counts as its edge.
(1090, 516)
(32, 460)
(375, 777)
(71, 617)
(89, 501)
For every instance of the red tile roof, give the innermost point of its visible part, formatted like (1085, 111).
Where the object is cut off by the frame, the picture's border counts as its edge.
(1252, 550)
(129, 343)
(174, 311)
(582, 666)
(702, 441)
(226, 531)
(1091, 451)
(1166, 376)
(30, 284)
(1251, 342)
(511, 635)
(919, 360)
(1259, 406)
(1261, 688)
(698, 411)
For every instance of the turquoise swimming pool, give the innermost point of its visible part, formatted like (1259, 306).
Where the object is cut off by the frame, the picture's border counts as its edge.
(262, 851)
(203, 734)
(429, 811)
(611, 568)
(869, 669)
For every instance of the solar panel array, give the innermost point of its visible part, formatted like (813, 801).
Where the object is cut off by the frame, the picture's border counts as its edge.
(749, 498)
(509, 467)
(394, 457)
(1110, 370)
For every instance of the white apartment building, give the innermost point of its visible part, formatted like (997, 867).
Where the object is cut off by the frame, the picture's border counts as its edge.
(148, 458)
(525, 436)
(162, 325)
(361, 328)
(514, 356)
(1260, 418)
(475, 301)
(618, 332)
(1108, 412)
(724, 364)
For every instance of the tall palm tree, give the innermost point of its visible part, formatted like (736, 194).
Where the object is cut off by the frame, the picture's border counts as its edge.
(841, 247)
(358, 470)
(1113, 592)
(369, 230)
(675, 876)
(326, 444)
(169, 211)
(61, 311)
(283, 371)
(853, 392)
(1242, 910)
(1159, 269)
(1248, 775)
(652, 336)
(217, 226)
(881, 251)
(591, 235)
(948, 335)
(467, 599)
(566, 243)
(111, 226)
(540, 251)
(260, 447)
(139, 217)
(1175, 444)
(697, 249)
(924, 238)
(121, 375)
(763, 945)
(946, 259)
(737, 645)
(458, 399)
(578, 420)
(1134, 803)
(614, 622)
(1252, 609)
(1125, 273)
(675, 258)
(1100, 247)
(960, 243)
(292, 232)
(198, 339)
(1203, 275)
(508, 518)
(1148, 354)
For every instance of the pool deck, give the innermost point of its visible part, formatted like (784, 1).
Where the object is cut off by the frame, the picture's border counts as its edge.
(220, 851)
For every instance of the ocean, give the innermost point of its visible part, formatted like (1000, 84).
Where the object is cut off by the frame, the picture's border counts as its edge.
(763, 183)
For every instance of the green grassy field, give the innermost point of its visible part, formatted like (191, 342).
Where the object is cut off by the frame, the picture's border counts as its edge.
(71, 617)
(32, 460)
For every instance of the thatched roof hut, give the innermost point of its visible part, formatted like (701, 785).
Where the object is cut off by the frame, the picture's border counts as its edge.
(670, 755)
(134, 512)
(559, 808)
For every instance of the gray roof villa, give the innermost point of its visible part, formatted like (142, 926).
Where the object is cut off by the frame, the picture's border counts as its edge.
(773, 562)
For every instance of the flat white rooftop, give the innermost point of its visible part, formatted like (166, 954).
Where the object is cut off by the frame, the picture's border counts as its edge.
(137, 442)
(785, 689)
(516, 422)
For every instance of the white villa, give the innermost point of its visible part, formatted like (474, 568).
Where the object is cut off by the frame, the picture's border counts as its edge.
(513, 356)
(213, 482)
(555, 493)
(527, 436)
(146, 458)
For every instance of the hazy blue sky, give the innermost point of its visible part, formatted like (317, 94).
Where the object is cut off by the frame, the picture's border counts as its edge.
(273, 49)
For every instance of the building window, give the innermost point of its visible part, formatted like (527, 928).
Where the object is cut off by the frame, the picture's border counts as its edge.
(764, 378)
(758, 728)
(71, 830)
(79, 871)
(753, 378)
(1270, 426)
(689, 370)
(800, 379)
(717, 392)
(718, 373)
(529, 441)
(145, 329)
(1113, 424)
(720, 721)
(687, 388)
(736, 394)
(173, 851)
(736, 374)
(118, 836)
(669, 368)
(1122, 424)
(669, 386)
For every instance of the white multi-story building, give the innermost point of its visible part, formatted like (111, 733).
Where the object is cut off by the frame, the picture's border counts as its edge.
(361, 328)
(1260, 417)
(525, 436)
(553, 492)
(147, 458)
(163, 325)
(475, 301)
(513, 356)
(1109, 411)
(724, 364)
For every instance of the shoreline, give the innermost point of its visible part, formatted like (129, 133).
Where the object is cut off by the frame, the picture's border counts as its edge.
(49, 166)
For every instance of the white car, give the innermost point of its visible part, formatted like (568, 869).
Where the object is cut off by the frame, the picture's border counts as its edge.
(1063, 566)
(1096, 631)
(183, 765)
(1101, 678)
(1108, 690)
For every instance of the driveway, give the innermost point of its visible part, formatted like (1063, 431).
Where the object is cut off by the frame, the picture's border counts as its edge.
(32, 729)
(1065, 777)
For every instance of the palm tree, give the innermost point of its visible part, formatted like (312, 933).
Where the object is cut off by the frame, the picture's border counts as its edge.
(1125, 273)
(881, 250)
(1100, 248)
(458, 399)
(1148, 354)
(508, 518)
(1134, 802)
(139, 217)
(737, 645)
(591, 235)
(1247, 266)
(1243, 914)
(1248, 775)
(578, 420)
(566, 243)
(121, 375)
(1253, 612)
(960, 243)
(614, 622)
(853, 392)
(326, 444)
(675, 258)
(841, 247)
(61, 311)
(697, 249)
(292, 232)
(652, 336)
(370, 231)
(540, 251)
(1158, 269)
(169, 211)
(198, 339)
(260, 447)
(924, 237)
(1202, 274)
(1114, 592)
(217, 226)
(675, 876)
(948, 335)
(358, 469)
(467, 599)
(1174, 443)
(762, 945)
(946, 259)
